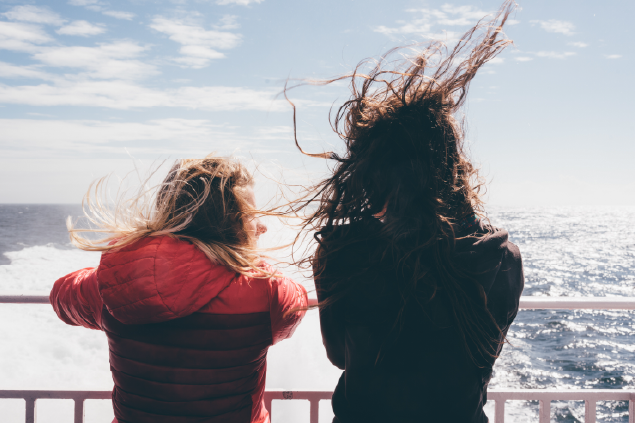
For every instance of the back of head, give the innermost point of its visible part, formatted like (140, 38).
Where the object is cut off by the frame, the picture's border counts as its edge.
(405, 163)
(205, 201)
(404, 141)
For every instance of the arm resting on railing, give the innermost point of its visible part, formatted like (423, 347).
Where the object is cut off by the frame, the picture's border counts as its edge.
(76, 300)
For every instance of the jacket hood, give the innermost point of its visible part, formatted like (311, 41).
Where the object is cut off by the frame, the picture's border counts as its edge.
(482, 251)
(157, 279)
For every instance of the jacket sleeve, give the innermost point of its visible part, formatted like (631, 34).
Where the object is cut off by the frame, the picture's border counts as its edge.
(331, 320)
(288, 303)
(76, 300)
(504, 296)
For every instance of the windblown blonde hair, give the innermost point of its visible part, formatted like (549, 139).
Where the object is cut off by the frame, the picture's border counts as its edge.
(203, 201)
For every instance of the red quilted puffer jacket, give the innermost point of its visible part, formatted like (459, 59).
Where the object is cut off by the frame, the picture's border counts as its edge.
(188, 339)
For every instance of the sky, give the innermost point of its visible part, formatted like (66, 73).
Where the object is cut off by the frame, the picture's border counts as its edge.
(89, 87)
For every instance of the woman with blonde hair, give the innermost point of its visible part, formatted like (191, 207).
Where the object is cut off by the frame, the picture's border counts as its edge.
(187, 303)
(416, 289)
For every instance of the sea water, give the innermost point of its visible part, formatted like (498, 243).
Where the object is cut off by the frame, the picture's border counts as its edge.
(580, 251)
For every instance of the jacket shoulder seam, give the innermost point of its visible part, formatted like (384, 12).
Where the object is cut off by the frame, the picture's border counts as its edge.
(156, 285)
(189, 269)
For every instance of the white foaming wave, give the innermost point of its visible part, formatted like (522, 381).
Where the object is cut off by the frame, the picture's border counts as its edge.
(38, 350)
(37, 268)
(41, 352)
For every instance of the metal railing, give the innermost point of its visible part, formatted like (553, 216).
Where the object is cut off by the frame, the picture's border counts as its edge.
(548, 303)
(544, 396)
(31, 397)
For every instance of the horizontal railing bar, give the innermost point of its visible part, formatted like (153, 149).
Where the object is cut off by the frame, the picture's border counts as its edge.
(545, 396)
(561, 395)
(24, 297)
(492, 394)
(42, 394)
(549, 303)
(276, 394)
(571, 303)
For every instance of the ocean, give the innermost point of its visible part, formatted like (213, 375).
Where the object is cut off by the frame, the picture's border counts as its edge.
(567, 251)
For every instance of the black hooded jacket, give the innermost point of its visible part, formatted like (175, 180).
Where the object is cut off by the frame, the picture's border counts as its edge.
(419, 372)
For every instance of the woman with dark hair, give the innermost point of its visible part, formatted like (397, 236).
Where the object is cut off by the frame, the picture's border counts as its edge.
(416, 289)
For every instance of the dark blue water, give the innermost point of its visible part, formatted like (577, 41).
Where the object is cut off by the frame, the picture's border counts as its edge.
(30, 225)
(572, 252)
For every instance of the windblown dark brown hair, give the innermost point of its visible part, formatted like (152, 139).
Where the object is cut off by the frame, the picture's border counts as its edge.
(405, 155)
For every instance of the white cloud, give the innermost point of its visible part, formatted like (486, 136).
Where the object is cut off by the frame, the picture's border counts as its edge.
(55, 138)
(118, 14)
(527, 57)
(82, 28)
(227, 98)
(83, 2)
(238, 2)
(228, 22)
(99, 6)
(427, 19)
(93, 135)
(22, 37)
(578, 44)
(458, 15)
(496, 61)
(34, 14)
(613, 56)
(39, 114)
(118, 60)
(275, 131)
(553, 25)
(202, 52)
(110, 94)
(554, 54)
(106, 61)
(188, 34)
(198, 44)
(119, 94)
(512, 22)
(8, 70)
(417, 26)
(197, 56)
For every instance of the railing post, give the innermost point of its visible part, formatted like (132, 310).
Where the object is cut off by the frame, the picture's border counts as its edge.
(268, 405)
(544, 415)
(315, 410)
(31, 412)
(631, 410)
(499, 411)
(589, 411)
(79, 410)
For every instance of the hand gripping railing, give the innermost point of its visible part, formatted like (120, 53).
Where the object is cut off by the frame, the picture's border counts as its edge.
(544, 396)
